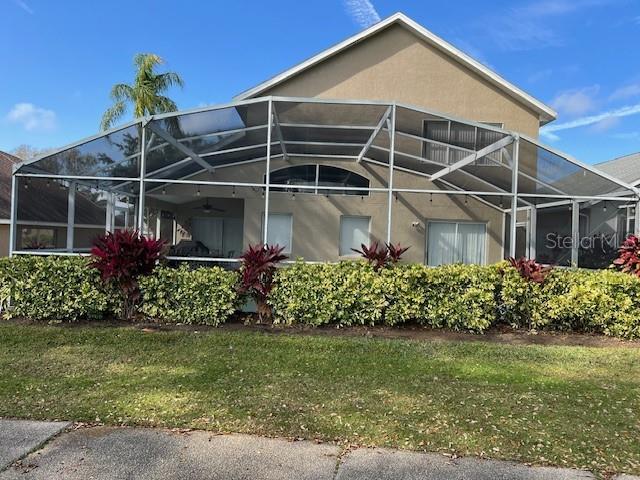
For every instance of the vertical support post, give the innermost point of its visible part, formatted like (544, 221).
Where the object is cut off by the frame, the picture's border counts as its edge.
(109, 220)
(71, 215)
(268, 172)
(514, 195)
(533, 232)
(575, 232)
(392, 142)
(158, 222)
(143, 150)
(13, 214)
(636, 218)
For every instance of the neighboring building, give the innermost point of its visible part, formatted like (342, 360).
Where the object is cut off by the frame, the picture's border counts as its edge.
(303, 160)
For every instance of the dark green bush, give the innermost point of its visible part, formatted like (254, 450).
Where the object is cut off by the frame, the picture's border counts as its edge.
(204, 296)
(602, 301)
(348, 293)
(459, 297)
(54, 288)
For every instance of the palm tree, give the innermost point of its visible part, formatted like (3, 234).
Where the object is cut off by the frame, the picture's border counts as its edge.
(145, 92)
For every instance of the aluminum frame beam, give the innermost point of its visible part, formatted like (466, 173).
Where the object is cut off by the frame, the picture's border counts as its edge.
(174, 143)
(503, 142)
(374, 134)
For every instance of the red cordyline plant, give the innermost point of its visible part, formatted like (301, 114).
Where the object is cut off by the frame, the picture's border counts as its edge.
(628, 259)
(381, 255)
(530, 270)
(259, 263)
(121, 258)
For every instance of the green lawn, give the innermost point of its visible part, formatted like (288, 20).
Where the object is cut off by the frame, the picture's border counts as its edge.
(567, 406)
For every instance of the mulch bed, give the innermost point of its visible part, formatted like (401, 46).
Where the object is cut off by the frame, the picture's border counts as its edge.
(244, 322)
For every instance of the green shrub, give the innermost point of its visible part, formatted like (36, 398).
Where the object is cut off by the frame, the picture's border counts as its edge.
(54, 288)
(204, 296)
(346, 293)
(602, 301)
(460, 297)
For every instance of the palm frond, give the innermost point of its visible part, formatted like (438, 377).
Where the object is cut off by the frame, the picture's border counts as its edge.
(112, 115)
(164, 105)
(122, 92)
(164, 81)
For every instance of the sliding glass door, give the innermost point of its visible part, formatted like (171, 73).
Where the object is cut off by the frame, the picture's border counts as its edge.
(456, 242)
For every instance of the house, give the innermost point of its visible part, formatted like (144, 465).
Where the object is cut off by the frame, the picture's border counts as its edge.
(392, 135)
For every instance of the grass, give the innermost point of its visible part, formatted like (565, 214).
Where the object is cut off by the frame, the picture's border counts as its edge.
(566, 406)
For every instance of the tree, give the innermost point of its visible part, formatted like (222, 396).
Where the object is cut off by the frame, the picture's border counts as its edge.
(27, 152)
(145, 93)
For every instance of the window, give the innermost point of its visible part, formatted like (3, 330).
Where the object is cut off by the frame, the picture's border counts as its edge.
(318, 175)
(354, 231)
(298, 175)
(36, 238)
(466, 137)
(279, 233)
(452, 242)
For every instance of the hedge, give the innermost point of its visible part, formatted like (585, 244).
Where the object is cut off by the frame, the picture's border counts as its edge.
(54, 288)
(460, 297)
(204, 296)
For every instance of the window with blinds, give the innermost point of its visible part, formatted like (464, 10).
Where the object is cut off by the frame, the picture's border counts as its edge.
(467, 139)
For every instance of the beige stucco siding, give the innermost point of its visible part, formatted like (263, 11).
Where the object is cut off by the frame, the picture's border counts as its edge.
(316, 218)
(396, 65)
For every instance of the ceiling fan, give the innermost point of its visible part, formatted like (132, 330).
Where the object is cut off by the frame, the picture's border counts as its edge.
(208, 208)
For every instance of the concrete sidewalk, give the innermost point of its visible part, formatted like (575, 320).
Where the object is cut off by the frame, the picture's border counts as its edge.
(127, 453)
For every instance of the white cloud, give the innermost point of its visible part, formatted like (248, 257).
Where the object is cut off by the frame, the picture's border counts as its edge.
(527, 27)
(576, 102)
(32, 118)
(362, 12)
(605, 124)
(548, 130)
(628, 91)
(23, 5)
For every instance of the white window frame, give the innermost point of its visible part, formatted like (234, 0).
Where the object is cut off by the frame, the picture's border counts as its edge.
(457, 223)
(288, 214)
(352, 253)
(316, 187)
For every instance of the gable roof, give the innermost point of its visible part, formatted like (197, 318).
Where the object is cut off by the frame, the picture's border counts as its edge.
(626, 168)
(546, 113)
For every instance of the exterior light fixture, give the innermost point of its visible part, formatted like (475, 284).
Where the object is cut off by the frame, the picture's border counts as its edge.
(198, 191)
(604, 206)
(164, 190)
(431, 198)
(501, 202)
(466, 200)
(293, 196)
(233, 192)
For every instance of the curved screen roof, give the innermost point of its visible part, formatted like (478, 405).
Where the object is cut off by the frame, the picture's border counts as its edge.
(455, 153)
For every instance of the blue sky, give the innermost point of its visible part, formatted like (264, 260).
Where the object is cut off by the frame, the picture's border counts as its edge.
(59, 59)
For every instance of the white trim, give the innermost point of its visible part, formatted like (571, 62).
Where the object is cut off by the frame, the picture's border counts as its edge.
(546, 113)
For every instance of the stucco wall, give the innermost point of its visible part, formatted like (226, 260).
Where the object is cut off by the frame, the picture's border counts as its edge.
(316, 218)
(397, 65)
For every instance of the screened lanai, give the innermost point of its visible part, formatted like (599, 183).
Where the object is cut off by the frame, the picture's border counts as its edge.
(320, 177)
